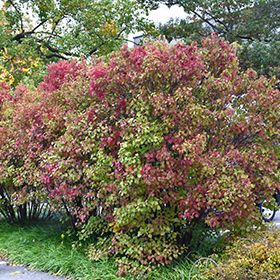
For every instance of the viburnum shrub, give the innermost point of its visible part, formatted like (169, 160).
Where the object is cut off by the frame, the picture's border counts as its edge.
(30, 121)
(142, 147)
(172, 136)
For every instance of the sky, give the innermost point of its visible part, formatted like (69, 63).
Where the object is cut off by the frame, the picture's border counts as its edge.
(163, 13)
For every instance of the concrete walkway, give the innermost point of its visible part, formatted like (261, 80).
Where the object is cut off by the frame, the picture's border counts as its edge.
(8, 272)
(276, 219)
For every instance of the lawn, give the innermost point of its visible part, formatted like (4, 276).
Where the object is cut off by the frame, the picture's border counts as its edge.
(40, 247)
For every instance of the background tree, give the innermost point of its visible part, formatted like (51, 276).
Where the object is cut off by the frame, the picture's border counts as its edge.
(36, 32)
(254, 24)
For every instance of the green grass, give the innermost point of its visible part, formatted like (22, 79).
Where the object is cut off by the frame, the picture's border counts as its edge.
(40, 247)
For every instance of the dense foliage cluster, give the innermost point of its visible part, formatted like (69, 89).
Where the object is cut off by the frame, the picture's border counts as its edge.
(253, 24)
(142, 147)
(255, 257)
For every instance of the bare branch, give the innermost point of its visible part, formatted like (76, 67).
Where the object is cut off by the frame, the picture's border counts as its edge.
(217, 20)
(22, 35)
(40, 24)
(205, 20)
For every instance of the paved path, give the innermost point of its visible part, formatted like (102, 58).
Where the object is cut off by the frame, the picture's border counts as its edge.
(20, 273)
(276, 219)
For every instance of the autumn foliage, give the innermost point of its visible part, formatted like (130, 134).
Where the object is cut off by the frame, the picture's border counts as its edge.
(142, 147)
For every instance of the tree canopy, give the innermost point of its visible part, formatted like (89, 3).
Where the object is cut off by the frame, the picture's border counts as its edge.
(36, 32)
(254, 24)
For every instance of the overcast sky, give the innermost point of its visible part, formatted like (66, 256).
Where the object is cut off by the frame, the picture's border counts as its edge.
(163, 13)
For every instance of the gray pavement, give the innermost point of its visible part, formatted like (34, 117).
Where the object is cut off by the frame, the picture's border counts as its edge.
(276, 219)
(8, 272)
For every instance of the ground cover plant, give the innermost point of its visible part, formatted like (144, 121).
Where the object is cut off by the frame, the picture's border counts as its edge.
(255, 256)
(142, 148)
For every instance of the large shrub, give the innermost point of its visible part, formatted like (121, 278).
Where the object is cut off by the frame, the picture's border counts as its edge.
(30, 121)
(173, 135)
(158, 139)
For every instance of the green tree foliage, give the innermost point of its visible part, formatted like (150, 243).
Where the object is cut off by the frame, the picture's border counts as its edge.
(254, 24)
(36, 32)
